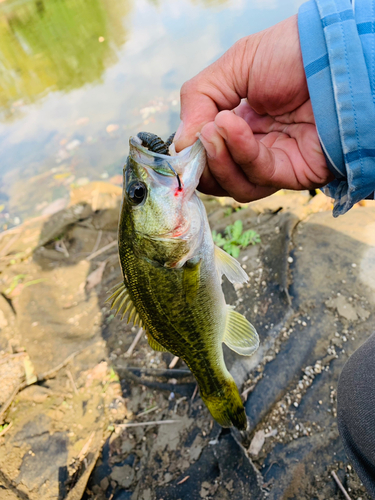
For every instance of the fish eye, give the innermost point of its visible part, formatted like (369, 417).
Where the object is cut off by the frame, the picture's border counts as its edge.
(137, 192)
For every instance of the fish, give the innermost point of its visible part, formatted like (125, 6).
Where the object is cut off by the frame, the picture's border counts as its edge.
(172, 273)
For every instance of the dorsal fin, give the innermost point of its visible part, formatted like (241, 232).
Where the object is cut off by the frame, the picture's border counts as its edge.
(228, 265)
(240, 335)
(154, 344)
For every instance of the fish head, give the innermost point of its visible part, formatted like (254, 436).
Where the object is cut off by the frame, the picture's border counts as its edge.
(160, 207)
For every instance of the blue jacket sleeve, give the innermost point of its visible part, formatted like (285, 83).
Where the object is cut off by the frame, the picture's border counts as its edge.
(338, 50)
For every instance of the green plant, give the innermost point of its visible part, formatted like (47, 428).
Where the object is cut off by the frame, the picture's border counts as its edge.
(234, 239)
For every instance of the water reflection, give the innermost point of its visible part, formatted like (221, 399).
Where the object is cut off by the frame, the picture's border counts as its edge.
(55, 45)
(78, 77)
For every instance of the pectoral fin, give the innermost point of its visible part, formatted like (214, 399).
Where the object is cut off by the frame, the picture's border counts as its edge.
(154, 344)
(191, 279)
(240, 335)
(228, 265)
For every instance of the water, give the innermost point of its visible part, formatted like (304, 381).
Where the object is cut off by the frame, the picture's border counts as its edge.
(78, 77)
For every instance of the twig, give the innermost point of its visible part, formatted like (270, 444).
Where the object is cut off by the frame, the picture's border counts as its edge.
(9, 244)
(339, 484)
(86, 447)
(183, 480)
(246, 392)
(9, 401)
(129, 352)
(61, 247)
(11, 356)
(6, 429)
(194, 393)
(140, 424)
(70, 376)
(51, 373)
(156, 372)
(102, 250)
(12, 230)
(147, 411)
(39, 378)
(97, 242)
(174, 362)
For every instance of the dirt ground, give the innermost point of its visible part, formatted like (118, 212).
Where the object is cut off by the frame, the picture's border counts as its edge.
(89, 411)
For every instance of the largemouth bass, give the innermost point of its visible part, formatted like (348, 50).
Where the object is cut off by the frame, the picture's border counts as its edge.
(172, 274)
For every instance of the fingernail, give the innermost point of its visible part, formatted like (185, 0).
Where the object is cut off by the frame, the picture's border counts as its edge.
(179, 131)
(222, 132)
(208, 146)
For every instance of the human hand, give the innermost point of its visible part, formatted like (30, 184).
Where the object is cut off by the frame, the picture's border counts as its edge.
(253, 112)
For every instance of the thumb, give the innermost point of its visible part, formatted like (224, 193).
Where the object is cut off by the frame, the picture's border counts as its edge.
(212, 90)
(197, 109)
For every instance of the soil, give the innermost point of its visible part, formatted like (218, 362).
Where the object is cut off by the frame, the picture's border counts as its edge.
(84, 416)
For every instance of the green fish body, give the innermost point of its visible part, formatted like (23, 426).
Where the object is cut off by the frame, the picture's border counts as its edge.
(172, 274)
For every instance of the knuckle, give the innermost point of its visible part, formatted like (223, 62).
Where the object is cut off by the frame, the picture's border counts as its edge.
(242, 197)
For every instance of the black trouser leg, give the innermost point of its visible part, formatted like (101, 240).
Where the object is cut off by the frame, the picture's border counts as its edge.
(356, 412)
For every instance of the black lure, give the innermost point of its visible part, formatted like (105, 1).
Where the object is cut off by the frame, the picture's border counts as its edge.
(154, 143)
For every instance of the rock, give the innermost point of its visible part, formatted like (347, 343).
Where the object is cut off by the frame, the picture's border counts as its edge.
(35, 393)
(100, 195)
(147, 494)
(257, 443)
(123, 475)
(168, 477)
(46, 462)
(196, 448)
(205, 489)
(104, 483)
(343, 307)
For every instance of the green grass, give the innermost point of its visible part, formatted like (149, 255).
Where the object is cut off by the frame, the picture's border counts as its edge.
(235, 239)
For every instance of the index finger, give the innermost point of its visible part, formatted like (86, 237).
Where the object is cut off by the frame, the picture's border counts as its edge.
(214, 89)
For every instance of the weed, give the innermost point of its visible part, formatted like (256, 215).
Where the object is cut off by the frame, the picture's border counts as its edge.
(234, 239)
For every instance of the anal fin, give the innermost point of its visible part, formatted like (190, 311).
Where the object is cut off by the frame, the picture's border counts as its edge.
(154, 344)
(240, 335)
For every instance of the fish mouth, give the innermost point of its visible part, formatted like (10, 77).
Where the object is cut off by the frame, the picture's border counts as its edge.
(159, 162)
(177, 233)
(154, 160)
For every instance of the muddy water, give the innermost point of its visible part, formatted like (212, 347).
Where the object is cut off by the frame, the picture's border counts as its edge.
(78, 77)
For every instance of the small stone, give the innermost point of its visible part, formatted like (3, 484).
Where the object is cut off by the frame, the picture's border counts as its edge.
(168, 477)
(104, 483)
(123, 475)
(290, 260)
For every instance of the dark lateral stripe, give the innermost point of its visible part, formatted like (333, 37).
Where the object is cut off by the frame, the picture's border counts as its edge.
(359, 153)
(337, 18)
(366, 28)
(317, 65)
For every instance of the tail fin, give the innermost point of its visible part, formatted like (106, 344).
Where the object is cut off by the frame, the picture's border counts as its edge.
(226, 406)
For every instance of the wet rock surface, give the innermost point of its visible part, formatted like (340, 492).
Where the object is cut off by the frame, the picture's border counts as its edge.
(88, 410)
